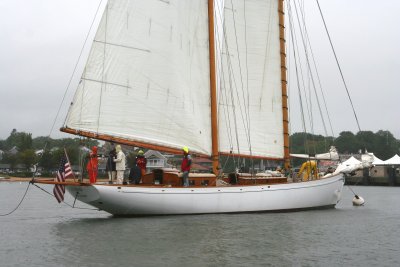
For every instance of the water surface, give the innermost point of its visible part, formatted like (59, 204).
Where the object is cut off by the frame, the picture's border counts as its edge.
(44, 233)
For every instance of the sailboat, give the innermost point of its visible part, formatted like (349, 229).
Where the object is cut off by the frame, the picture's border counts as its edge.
(206, 74)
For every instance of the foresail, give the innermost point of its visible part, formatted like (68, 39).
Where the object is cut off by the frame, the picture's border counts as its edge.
(147, 76)
(249, 63)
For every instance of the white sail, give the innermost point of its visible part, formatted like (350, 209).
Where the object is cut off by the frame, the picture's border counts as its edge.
(147, 76)
(250, 94)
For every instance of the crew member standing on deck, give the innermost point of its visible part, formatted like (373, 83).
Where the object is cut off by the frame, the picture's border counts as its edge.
(185, 167)
(141, 162)
(92, 165)
(110, 167)
(120, 164)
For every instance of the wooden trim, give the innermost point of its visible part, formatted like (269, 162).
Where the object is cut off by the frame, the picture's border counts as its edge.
(67, 183)
(213, 89)
(285, 112)
(118, 140)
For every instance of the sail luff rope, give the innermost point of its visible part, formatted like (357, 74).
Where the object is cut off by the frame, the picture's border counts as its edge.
(247, 85)
(245, 119)
(319, 83)
(314, 64)
(299, 69)
(297, 73)
(309, 65)
(293, 40)
(223, 92)
(289, 87)
(317, 73)
(223, 100)
(308, 99)
(311, 76)
(234, 110)
(230, 71)
(233, 85)
(103, 70)
(302, 28)
(340, 69)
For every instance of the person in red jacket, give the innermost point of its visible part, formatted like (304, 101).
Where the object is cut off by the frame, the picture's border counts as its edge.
(141, 162)
(92, 165)
(185, 167)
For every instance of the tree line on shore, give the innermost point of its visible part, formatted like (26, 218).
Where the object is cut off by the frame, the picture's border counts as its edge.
(382, 143)
(21, 148)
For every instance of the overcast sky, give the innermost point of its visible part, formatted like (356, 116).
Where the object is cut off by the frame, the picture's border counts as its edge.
(40, 41)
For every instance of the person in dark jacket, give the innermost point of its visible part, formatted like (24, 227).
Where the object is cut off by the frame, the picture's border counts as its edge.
(110, 167)
(135, 175)
(139, 170)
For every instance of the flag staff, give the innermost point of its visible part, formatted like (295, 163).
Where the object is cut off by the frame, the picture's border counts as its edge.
(66, 155)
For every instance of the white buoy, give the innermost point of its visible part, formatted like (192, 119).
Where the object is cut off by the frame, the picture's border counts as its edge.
(358, 201)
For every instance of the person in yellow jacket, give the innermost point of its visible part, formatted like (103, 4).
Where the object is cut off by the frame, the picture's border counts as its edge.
(310, 169)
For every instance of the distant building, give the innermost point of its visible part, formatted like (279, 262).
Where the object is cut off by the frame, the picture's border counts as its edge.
(156, 160)
(13, 151)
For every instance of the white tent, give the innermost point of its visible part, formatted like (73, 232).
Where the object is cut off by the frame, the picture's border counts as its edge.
(376, 160)
(351, 161)
(395, 160)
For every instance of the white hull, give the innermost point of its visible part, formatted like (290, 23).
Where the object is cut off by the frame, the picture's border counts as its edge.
(140, 200)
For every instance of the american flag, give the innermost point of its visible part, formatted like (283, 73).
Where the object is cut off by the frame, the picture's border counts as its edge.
(64, 170)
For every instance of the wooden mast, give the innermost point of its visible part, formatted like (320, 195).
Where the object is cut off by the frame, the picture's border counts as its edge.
(213, 88)
(284, 86)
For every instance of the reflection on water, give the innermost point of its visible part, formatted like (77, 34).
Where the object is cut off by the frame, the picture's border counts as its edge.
(44, 233)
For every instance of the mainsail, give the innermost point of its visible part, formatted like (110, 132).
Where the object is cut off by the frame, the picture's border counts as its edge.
(147, 78)
(147, 75)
